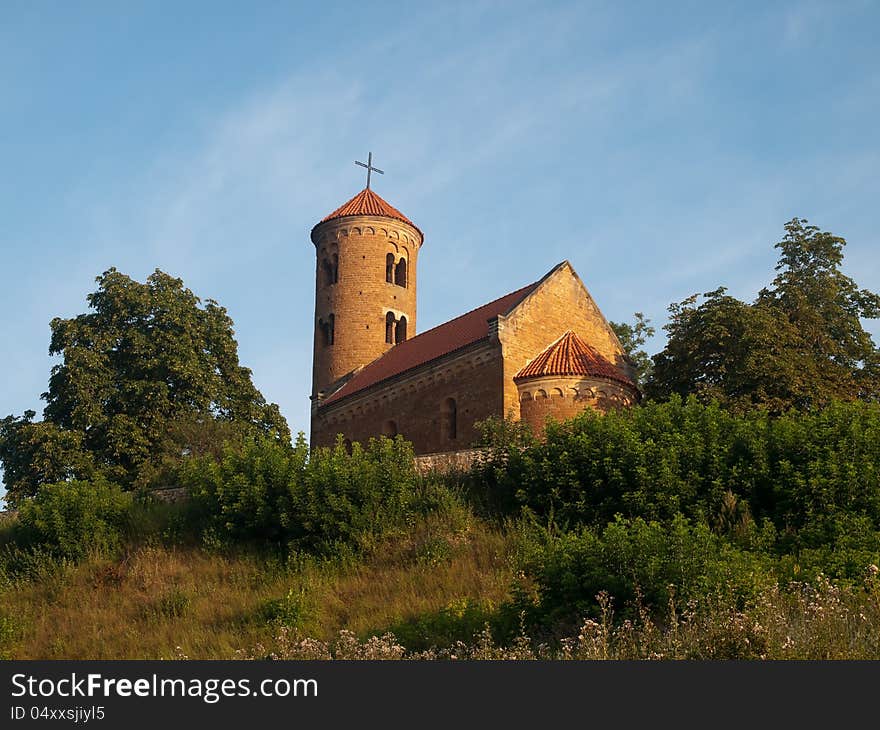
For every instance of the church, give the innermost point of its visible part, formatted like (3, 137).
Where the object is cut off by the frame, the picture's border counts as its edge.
(542, 351)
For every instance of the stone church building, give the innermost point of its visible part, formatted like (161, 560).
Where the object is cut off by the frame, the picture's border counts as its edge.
(543, 350)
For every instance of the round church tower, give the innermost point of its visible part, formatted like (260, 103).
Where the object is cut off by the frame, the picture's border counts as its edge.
(365, 287)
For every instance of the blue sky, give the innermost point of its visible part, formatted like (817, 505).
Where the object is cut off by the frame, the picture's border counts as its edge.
(660, 147)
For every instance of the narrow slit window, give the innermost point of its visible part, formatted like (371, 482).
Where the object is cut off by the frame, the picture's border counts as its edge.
(449, 418)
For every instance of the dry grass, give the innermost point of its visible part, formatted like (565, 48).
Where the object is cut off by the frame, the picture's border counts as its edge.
(804, 622)
(163, 602)
(175, 602)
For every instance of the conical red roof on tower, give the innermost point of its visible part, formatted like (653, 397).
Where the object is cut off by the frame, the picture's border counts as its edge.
(366, 202)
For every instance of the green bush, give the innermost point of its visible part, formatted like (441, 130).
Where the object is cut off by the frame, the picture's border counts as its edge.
(71, 519)
(318, 501)
(10, 630)
(31, 562)
(841, 546)
(638, 563)
(460, 620)
(291, 610)
(681, 456)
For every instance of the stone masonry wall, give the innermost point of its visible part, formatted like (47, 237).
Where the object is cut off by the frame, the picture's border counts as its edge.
(562, 398)
(450, 461)
(417, 403)
(361, 297)
(559, 304)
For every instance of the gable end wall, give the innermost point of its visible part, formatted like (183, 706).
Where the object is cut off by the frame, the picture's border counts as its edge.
(560, 303)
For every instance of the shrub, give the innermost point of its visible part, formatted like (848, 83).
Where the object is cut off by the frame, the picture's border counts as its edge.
(291, 610)
(459, 620)
(316, 501)
(839, 547)
(71, 519)
(682, 456)
(370, 491)
(642, 564)
(10, 631)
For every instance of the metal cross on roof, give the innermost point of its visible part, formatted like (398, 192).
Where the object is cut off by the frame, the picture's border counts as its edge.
(370, 168)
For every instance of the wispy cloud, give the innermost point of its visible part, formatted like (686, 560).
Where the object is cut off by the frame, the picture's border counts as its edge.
(515, 135)
(231, 214)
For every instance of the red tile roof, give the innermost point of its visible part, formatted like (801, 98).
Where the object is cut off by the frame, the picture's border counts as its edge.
(432, 344)
(366, 202)
(570, 355)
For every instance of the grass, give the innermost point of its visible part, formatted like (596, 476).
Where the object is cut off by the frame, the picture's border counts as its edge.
(159, 601)
(429, 590)
(818, 622)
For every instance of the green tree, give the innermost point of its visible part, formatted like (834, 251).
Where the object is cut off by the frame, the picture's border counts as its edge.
(726, 350)
(799, 344)
(146, 357)
(825, 307)
(633, 338)
(40, 453)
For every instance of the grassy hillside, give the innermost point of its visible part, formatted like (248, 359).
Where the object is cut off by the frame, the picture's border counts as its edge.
(161, 601)
(429, 592)
(669, 531)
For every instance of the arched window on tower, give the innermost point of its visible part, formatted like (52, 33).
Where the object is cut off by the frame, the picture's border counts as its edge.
(449, 418)
(400, 273)
(389, 328)
(400, 331)
(327, 329)
(389, 268)
(326, 272)
(334, 269)
(389, 429)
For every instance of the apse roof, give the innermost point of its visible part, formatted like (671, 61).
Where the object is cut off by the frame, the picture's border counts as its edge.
(570, 355)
